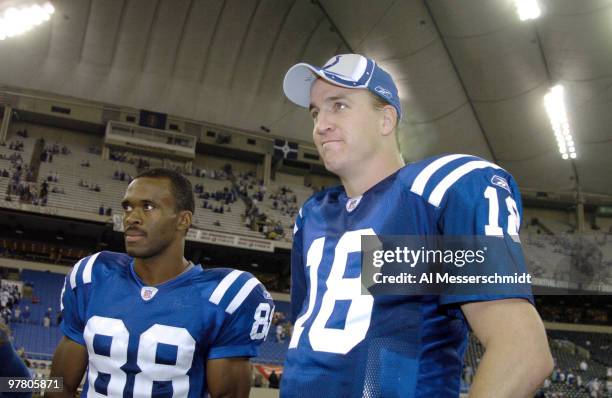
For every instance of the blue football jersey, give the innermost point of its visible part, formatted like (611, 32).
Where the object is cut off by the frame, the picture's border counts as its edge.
(146, 341)
(346, 344)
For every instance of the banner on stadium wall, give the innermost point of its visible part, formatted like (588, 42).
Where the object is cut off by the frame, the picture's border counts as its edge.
(242, 242)
(6, 283)
(154, 120)
(285, 149)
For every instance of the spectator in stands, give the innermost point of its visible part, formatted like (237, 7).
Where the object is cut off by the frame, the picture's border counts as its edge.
(570, 377)
(594, 387)
(273, 380)
(6, 314)
(26, 314)
(583, 366)
(101, 210)
(109, 211)
(58, 318)
(4, 298)
(279, 333)
(258, 380)
(85, 163)
(468, 373)
(17, 314)
(44, 189)
(46, 321)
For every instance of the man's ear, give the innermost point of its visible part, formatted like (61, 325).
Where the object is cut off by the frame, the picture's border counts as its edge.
(185, 220)
(389, 120)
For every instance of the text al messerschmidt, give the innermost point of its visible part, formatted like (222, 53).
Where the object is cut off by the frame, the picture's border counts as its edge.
(432, 277)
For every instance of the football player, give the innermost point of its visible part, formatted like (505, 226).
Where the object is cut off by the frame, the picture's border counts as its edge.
(150, 323)
(346, 344)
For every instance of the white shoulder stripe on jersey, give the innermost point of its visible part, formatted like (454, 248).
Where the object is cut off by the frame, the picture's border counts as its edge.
(438, 193)
(242, 295)
(418, 185)
(62, 296)
(73, 274)
(222, 287)
(295, 228)
(88, 267)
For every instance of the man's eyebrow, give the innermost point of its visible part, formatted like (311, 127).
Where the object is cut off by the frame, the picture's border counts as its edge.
(128, 201)
(329, 99)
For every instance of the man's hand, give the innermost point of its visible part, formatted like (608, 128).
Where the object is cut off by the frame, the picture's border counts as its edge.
(517, 358)
(228, 377)
(69, 361)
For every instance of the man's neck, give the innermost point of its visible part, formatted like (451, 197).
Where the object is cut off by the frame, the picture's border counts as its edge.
(364, 178)
(156, 270)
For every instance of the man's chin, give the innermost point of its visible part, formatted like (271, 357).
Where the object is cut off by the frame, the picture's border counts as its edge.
(333, 167)
(137, 253)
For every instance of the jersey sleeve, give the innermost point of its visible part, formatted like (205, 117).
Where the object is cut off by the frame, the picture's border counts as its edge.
(247, 321)
(486, 202)
(298, 276)
(72, 304)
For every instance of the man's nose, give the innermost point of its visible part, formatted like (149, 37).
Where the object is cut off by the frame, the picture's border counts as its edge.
(323, 123)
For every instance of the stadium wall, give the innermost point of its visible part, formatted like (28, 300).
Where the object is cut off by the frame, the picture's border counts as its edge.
(565, 217)
(573, 327)
(289, 179)
(53, 135)
(257, 392)
(74, 110)
(217, 163)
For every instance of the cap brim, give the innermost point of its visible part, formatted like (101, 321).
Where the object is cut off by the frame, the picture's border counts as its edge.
(297, 83)
(299, 80)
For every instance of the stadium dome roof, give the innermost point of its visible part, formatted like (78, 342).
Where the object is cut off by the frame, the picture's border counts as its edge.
(471, 75)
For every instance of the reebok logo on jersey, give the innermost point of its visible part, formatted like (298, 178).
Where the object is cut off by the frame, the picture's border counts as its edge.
(148, 292)
(500, 182)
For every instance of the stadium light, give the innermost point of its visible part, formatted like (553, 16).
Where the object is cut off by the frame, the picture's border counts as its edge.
(555, 107)
(527, 9)
(15, 21)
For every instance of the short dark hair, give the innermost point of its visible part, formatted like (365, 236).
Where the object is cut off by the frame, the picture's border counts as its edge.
(180, 186)
(380, 103)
